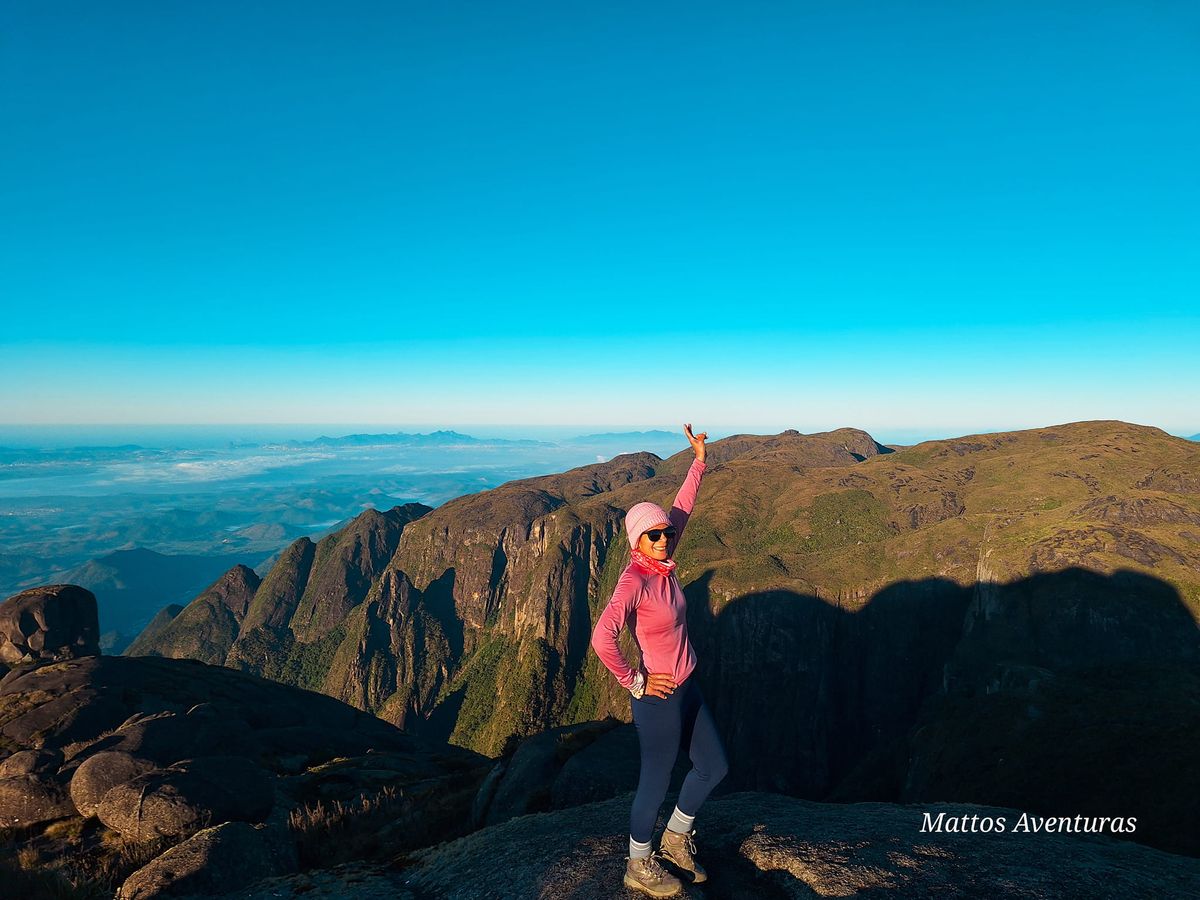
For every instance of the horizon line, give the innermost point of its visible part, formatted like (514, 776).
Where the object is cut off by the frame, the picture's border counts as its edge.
(586, 429)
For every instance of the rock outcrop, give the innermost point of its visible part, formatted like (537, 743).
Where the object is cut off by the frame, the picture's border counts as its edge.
(160, 749)
(183, 797)
(100, 773)
(57, 621)
(287, 626)
(28, 800)
(771, 846)
(564, 767)
(212, 861)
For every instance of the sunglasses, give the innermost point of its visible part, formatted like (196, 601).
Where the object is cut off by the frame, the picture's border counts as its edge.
(655, 533)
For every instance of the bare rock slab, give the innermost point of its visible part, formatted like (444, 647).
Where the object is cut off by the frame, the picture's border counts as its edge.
(211, 862)
(773, 846)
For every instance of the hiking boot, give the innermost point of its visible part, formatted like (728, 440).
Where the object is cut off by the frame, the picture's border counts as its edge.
(648, 876)
(680, 850)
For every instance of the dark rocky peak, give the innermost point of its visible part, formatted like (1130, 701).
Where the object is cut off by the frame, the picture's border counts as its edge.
(248, 623)
(278, 595)
(235, 589)
(344, 566)
(372, 520)
(161, 620)
(598, 478)
(207, 626)
(845, 446)
(408, 512)
(53, 622)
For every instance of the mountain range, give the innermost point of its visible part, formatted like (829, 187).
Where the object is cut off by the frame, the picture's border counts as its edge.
(433, 439)
(149, 777)
(870, 623)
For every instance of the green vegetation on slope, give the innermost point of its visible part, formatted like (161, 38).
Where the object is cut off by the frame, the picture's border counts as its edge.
(843, 518)
(478, 677)
(291, 662)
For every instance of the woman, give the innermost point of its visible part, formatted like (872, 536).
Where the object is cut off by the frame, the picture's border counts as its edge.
(667, 707)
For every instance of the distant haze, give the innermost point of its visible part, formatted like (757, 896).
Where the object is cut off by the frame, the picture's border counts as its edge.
(200, 437)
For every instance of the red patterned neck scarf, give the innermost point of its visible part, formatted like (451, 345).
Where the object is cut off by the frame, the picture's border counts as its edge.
(661, 566)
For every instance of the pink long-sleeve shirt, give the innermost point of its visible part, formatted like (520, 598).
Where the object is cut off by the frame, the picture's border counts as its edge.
(653, 606)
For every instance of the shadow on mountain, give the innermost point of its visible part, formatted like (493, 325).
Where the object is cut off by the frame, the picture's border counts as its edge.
(439, 602)
(439, 724)
(1072, 693)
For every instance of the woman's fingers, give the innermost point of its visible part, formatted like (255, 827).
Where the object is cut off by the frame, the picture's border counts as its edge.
(660, 684)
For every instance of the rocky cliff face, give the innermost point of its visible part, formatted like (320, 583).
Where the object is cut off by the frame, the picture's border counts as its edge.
(840, 597)
(288, 626)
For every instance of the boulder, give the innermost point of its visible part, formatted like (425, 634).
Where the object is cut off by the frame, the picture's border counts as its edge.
(31, 800)
(99, 774)
(485, 794)
(211, 862)
(186, 797)
(31, 762)
(52, 622)
(523, 784)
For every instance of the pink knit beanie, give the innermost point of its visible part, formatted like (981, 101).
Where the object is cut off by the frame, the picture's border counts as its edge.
(641, 518)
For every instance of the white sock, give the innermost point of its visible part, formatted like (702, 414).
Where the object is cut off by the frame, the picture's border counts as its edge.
(638, 850)
(680, 823)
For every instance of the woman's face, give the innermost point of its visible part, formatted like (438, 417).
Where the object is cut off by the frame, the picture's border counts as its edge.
(655, 549)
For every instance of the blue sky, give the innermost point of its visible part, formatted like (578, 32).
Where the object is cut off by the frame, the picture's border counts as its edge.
(939, 217)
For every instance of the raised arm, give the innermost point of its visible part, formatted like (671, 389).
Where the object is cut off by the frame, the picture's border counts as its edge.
(685, 500)
(608, 630)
